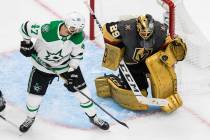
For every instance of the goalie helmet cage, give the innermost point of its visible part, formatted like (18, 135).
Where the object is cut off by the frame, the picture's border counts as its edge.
(180, 21)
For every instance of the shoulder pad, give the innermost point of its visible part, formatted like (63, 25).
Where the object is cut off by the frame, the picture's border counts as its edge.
(77, 38)
(111, 33)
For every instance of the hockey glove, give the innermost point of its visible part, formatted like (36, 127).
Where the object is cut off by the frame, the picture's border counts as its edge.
(73, 64)
(26, 48)
(179, 48)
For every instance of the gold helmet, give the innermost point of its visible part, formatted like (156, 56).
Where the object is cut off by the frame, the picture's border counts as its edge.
(145, 26)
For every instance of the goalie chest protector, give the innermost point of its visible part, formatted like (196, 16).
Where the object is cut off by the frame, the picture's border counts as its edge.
(137, 49)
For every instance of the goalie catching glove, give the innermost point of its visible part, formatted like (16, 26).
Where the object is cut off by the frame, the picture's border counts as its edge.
(179, 48)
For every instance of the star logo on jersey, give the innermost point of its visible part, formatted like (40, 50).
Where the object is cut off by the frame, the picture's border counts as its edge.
(37, 87)
(127, 27)
(54, 56)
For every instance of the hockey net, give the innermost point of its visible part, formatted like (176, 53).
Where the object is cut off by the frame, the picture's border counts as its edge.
(113, 10)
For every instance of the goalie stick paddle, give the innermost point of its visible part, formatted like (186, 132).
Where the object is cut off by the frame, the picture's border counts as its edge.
(47, 66)
(129, 77)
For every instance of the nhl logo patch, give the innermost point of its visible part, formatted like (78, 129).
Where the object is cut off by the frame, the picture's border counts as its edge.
(127, 27)
(163, 28)
(45, 28)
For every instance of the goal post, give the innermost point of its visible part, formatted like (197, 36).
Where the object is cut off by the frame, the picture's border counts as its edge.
(100, 9)
(180, 23)
(92, 24)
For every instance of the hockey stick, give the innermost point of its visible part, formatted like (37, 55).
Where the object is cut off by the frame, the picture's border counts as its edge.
(8, 121)
(137, 92)
(48, 67)
(122, 123)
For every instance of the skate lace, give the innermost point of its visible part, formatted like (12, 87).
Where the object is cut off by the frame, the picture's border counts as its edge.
(28, 121)
(98, 121)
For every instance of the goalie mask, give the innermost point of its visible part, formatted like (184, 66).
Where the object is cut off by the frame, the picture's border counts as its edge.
(145, 26)
(75, 22)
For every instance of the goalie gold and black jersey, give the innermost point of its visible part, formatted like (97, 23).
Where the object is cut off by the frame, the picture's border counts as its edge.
(51, 47)
(124, 34)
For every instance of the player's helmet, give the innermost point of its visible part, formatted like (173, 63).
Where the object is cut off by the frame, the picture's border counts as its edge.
(145, 26)
(75, 20)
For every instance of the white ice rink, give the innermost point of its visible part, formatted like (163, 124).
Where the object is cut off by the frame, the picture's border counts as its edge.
(190, 122)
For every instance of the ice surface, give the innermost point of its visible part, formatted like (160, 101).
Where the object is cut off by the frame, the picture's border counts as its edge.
(60, 117)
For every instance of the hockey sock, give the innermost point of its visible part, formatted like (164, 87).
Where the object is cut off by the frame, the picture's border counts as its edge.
(85, 103)
(33, 103)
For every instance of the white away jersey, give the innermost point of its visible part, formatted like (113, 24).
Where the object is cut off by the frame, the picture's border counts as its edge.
(53, 49)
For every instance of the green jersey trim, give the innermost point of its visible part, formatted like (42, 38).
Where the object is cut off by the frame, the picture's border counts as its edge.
(50, 32)
(87, 105)
(77, 38)
(32, 110)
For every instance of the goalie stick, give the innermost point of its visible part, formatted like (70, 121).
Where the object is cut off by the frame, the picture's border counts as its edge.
(48, 67)
(137, 92)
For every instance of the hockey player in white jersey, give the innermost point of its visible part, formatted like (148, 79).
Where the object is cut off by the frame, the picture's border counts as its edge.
(59, 46)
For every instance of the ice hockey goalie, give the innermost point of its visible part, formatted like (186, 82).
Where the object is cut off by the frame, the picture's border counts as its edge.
(149, 53)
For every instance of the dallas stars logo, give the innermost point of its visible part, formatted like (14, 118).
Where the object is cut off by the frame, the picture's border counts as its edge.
(37, 87)
(54, 56)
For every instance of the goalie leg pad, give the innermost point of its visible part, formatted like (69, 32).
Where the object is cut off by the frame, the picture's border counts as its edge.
(163, 78)
(102, 87)
(162, 74)
(110, 87)
(174, 102)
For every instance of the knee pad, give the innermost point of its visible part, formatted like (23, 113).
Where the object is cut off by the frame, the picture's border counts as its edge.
(163, 78)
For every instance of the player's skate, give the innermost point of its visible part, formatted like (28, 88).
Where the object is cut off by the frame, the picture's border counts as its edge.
(27, 124)
(99, 122)
(2, 102)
